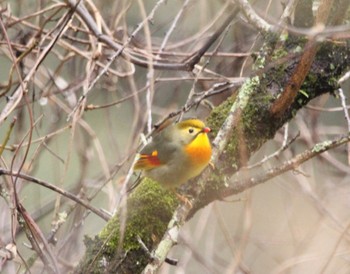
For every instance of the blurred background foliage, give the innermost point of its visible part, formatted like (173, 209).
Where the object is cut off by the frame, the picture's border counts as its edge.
(296, 223)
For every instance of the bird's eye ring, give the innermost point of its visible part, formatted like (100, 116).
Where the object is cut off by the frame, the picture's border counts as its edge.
(190, 130)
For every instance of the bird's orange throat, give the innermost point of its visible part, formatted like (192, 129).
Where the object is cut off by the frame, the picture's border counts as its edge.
(199, 151)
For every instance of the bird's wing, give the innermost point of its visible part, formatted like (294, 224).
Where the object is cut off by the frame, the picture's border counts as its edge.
(154, 155)
(148, 161)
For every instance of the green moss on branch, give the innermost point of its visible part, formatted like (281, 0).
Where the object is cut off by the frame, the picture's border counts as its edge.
(149, 209)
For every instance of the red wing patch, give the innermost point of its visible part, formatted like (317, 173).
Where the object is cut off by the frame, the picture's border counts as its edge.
(147, 161)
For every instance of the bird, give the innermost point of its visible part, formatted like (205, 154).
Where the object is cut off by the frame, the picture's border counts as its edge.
(178, 153)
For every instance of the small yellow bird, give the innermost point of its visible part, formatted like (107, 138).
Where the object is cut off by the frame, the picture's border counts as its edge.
(176, 154)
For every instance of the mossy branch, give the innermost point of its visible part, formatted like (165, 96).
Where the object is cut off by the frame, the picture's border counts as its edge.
(150, 208)
(258, 125)
(145, 216)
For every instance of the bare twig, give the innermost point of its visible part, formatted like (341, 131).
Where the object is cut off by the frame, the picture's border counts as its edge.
(284, 146)
(335, 109)
(253, 17)
(345, 77)
(345, 109)
(239, 185)
(70, 196)
(346, 114)
(38, 241)
(122, 50)
(17, 95)
(7, 136)
(202, 68)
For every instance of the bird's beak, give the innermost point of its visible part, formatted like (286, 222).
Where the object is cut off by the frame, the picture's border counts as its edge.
(206, 130)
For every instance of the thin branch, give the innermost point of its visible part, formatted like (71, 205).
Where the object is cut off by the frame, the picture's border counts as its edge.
(7, 136)
(38, 241)
(214, 90)
(66, 194)
(334, 109)
(122, 50)
(57, 6)
(172, 27)
(344, 78)
(344, 106)
(284, 146)
(203, 67)
(18, 93)
(239, 185)
(253, 17)
(288, 10)
(346, 114)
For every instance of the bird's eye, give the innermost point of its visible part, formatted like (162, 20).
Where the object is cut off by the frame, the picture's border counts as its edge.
(190, 130)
